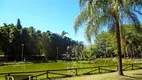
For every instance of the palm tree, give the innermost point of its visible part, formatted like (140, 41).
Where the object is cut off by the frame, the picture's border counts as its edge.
(98, 14)
(64, 33)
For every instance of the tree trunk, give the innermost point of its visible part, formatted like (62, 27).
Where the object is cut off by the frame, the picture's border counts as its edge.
(120, 72)
(131, 53)
(134, 53)
(141, 54)
(124, 55)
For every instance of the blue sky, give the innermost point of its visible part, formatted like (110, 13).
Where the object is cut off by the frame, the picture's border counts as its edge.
(53, 15)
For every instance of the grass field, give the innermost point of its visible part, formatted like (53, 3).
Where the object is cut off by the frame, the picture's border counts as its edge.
(16, 66)
(20, 67)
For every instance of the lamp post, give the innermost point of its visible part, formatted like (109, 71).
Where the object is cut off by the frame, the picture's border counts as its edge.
(22, 51)
(67, 53)
(57, 52)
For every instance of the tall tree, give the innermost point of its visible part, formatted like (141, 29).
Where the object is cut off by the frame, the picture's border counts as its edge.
(18, 25)
(100, 13)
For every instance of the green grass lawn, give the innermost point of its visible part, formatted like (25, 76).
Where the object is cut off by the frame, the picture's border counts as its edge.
(60, 65)
(17, 67)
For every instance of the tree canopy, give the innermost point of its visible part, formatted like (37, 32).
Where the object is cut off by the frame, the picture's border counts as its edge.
(36, 43)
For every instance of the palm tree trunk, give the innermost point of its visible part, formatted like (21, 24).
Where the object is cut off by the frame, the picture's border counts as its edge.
(120, 72)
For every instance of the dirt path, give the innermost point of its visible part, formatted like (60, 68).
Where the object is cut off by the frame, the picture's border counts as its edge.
(129, 75)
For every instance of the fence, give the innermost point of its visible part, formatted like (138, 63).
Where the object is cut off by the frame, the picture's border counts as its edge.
(72, 71)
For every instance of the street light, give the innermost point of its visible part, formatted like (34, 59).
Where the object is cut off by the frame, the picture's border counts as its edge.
(22, 51)
(67, 53)
(57, 52)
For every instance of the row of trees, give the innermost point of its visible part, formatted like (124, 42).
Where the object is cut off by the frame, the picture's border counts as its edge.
(17, 42)
(105, 43)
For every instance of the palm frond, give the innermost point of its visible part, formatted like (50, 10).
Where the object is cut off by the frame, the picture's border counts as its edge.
(96, 15)
(135, 20)
(131, 18)
(87, 34)
(81, 19)
(82, 3)
(63, 33)
(139, 12)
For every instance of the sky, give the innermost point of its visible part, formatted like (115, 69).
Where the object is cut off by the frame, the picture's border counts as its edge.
(53, 15)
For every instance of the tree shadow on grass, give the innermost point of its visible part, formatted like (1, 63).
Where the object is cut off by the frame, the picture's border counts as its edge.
(133, 77)
(140, 74)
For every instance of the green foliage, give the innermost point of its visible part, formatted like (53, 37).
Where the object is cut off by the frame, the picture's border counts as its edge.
(36, 43)
(130, 39)
(86, 52)
(105, 44)
(111, 43)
